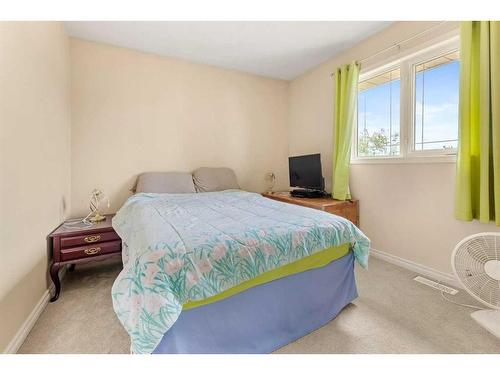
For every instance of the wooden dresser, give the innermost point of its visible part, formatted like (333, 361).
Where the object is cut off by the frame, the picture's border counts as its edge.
(72, 246)
(348, 209)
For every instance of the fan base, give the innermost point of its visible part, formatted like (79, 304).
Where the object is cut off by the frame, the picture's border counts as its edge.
(489, 320)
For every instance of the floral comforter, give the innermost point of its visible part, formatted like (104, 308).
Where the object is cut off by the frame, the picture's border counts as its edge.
(182, 247)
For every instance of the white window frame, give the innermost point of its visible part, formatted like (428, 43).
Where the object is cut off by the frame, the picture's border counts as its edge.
(407, 152)
(365, 76)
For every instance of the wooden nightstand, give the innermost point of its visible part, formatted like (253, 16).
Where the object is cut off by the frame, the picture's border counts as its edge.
(72, 246)
(347, 209)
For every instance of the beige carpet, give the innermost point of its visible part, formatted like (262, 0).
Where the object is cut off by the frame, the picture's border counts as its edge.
(393, 314)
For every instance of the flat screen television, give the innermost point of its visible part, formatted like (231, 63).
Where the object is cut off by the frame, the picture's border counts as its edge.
(305, 172)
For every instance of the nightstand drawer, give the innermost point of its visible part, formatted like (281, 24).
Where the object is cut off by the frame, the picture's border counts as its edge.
(90, 250)
(88, 239)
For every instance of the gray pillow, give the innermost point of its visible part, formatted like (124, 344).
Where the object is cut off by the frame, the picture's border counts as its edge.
(164, 182)
(214, 179)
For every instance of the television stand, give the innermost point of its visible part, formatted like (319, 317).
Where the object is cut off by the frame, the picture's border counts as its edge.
(347, 209)
(306, 193)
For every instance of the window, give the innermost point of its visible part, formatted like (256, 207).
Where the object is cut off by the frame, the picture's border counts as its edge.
(436, 103)
(409, 108)
(378, 115)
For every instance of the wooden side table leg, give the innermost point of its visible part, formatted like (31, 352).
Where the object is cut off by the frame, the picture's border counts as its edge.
(54, 275)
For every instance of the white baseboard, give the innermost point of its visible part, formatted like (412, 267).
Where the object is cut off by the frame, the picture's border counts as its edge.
(28, 324)
(445, 278)
(32, 318)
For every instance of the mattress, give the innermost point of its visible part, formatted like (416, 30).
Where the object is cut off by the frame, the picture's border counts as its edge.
(188, 248)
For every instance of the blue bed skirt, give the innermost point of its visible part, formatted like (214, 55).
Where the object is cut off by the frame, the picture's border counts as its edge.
(266, 317)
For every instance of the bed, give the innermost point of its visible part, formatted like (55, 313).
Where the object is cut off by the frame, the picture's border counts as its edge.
(230, 271)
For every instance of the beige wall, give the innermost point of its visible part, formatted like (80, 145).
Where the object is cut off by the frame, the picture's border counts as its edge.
(134, 112)
(34, 160)
(406, 209)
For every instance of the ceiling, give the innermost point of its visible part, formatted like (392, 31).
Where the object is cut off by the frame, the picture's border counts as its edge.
(275, 49)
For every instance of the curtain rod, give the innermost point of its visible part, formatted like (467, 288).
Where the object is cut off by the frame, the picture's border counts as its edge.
(398, 44)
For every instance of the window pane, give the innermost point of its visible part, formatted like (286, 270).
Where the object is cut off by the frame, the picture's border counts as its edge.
(436, 103)
(378, 115)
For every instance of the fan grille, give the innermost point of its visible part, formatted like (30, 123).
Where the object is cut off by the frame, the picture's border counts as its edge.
(469, 258)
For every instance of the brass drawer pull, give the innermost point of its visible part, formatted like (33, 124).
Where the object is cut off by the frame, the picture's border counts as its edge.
(92, 250)
(90, 239)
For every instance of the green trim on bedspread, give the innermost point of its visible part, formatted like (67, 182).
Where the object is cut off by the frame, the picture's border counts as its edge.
(316, 260)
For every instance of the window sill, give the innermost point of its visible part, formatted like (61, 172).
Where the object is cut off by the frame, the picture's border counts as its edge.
(408, 160)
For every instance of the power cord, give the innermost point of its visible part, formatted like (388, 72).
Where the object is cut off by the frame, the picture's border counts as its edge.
(458, 303)
(78, 223)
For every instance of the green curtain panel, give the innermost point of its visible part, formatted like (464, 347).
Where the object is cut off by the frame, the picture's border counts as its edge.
(478, 162)
(346, 90)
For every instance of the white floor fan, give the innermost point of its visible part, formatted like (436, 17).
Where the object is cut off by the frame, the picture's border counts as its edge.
(476, 262)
